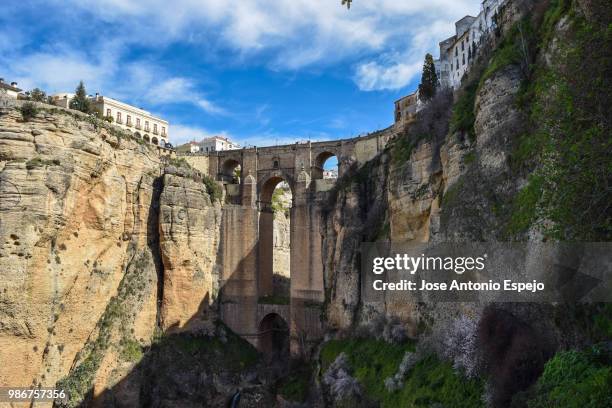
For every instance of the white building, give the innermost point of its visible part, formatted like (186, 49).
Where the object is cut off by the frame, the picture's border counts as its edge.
(330, 174)
(216, 143)
(457, 52)
(9, 90)
(136, 121)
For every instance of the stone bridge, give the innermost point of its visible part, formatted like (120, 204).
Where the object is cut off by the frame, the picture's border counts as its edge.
(247, 232)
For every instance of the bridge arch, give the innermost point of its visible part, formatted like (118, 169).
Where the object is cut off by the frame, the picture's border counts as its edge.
(270, 283)
(228, 171)
(273, 335)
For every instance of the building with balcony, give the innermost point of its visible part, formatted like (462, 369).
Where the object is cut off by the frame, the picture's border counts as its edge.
(136, 121)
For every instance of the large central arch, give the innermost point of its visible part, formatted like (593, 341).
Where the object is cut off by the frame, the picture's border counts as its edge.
(265, 264)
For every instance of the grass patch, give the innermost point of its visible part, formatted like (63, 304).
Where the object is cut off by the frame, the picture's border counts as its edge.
(430, 381)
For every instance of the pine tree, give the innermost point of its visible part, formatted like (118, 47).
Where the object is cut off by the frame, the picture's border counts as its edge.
(429, 79)
(80, 101)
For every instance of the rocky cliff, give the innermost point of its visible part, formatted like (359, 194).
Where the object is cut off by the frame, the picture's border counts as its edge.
(88, 227)
(465, 169)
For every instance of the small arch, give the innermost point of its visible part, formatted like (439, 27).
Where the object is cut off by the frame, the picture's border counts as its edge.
(137, 134)
(273, 336)
(326, 169)
(146, 138)
(155, 141)
(231, 171)
(163, 142)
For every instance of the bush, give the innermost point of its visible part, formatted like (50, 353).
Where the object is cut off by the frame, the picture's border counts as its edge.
(575, 379)
(460, 345)
(212, 187)
(28, 111)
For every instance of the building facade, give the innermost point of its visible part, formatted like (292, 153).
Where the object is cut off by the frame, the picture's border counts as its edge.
(406, 109)
(215, 144)
(134, 120)
(138, 122)
(457, 53)
(9, 90)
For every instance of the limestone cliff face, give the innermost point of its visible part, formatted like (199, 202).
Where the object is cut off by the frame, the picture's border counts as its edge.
(445, 188)
(75, 212)
(88, 224)
(189, 243)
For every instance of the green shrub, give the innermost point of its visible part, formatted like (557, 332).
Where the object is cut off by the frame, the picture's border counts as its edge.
(575, 379)
(131, 350)
(212, 187)
(463, 116)
(295, 386)
(28, 111)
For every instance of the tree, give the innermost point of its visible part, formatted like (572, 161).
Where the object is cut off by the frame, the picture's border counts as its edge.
(80, 101)
(429, 79)
(38, 95)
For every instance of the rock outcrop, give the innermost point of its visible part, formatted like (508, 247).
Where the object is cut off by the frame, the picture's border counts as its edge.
(88, 226)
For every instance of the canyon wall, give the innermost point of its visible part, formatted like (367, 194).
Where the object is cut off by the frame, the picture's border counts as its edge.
(89, 224)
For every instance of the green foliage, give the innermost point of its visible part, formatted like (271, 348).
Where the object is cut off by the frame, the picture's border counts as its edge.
(80, 101)
(575, 379)
(130, 350)
(525, 206)
(38, 95)
(39, 162)
(295, 386)
(569, 141)
(429, 79)
(463, 116)
(278, 204)
(403, 146)
(429, 382)
(212, 187)
(28, 111)
(234, 354)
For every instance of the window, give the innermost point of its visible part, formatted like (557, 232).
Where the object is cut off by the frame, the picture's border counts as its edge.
(128, 120)
(146, 125)
(118, 117)
(155, 128)
(457, 65)
(463, 45)
(456, 51)
(451, 66)
(276, 164)
(138, 123)
(164, 130)
(463, 61)
(108, 113)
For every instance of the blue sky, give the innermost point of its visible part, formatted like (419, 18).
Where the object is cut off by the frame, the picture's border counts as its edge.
(259, 71)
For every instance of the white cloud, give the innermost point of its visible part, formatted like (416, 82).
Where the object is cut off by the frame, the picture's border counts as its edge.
(285, 34)
(181, 90)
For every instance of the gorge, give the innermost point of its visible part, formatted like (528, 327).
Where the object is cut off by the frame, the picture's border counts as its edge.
(133, 279)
